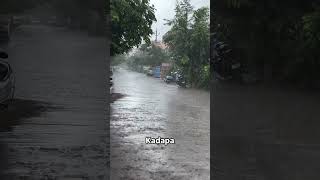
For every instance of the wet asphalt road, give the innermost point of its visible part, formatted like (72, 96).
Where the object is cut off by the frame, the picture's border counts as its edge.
(56, 127)
(152, 108)
(267, 133)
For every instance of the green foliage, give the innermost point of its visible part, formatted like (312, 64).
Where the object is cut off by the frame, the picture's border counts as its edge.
(204, 76)
(131, 22)
(149, 56)
(117, 60)
(156, 55)
(178, 38)
(311, 28)
(189, 42)
(277, 40)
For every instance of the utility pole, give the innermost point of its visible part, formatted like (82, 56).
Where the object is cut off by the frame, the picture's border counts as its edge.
(156, 35)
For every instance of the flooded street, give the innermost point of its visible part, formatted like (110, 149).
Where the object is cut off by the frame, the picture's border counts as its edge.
(152, 108)
(56, 126)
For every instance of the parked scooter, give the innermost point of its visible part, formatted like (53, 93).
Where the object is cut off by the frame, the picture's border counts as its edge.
(150, 72)
(169, 79)
(224, 65)
(181, 81)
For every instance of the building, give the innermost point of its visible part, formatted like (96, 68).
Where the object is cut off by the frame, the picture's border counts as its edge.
(160, 45)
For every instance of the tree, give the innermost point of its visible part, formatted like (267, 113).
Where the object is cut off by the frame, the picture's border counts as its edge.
(178, 37)
(156, 55)
(189, 42)
(200, 47)
(117, 60)
(149, 55)
(273, 39)
(131, 22)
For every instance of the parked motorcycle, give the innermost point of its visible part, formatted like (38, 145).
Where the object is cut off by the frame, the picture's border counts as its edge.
(150, 72)
(181, 81)
(111, 81)
(169, 79)
(225, 66)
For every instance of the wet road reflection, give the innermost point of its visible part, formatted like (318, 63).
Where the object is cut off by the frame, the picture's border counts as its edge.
(21, 109)
(152, 108)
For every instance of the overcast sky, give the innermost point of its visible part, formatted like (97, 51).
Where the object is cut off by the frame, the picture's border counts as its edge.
(165, 10)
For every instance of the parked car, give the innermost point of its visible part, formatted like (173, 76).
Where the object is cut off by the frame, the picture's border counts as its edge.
(7, 81)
